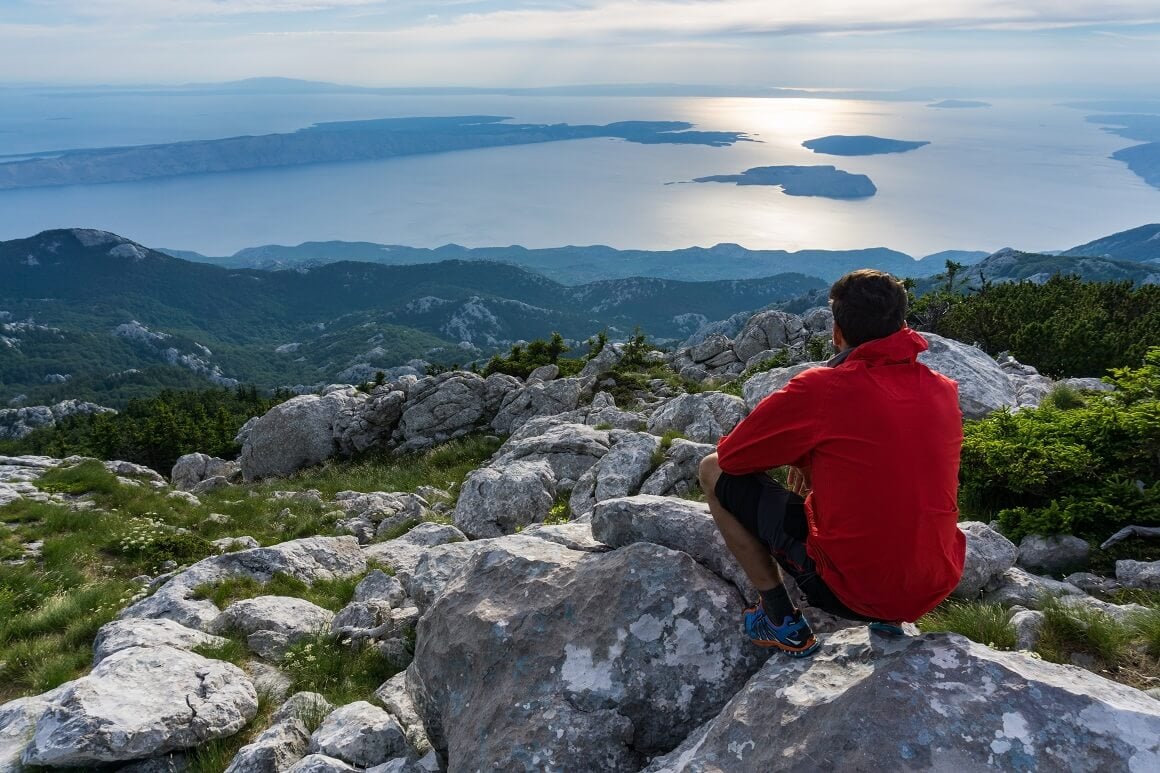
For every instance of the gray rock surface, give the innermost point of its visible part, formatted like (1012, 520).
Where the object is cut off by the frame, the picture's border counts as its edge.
(619, 473)
(1052, 555)
(271, 624)
(967, 708)
(1016, 586)
(380, 586)
(392, 695)
(989, 554)
(298, 433)
(403, 553)
(1138, 574)
(983, 386)
(703, 417)
(1028, 624)
(445, 406)
(138, 632)
(307, 559)
(320, 763)
(359, 733)
(192, 469)
(569, 449)
(763, 384)
(17, 724)
(574, 536)
(275, 749)
(142, 702)
(539, 399)
(16, 423)
(504, 498)
(678, 524)
(768, 330)
(678, 473)
(435, 568)
(619, 655)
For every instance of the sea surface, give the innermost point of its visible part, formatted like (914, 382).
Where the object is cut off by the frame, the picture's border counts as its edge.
(1026, 174)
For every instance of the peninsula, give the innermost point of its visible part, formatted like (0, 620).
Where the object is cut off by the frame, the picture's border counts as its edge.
(826, 181)
(860, 145)
(960, 103)
(329, 143)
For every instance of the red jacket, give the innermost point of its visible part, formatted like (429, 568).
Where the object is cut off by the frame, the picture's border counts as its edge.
(880, 436)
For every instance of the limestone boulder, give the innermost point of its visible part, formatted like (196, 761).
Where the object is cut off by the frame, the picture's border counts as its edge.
(989, 555)
(142, 702)
(574, 535)
(763, 384)
(276, 748)
(308, 559)
(678, 473)
(120, 635)
(192, 469)
(569, 449)
(1018, 587)
(967, 708)
(392, 695)
(17, 724)
(271, 624)
(1052, 555)
(983, 386)
(402, 554)
(321, 763)
(361, 734)
(768, 330)
(619, 473)
(297, 433)
(446, 406)
(543, 658)
(679, 524)
(539, 399)
(703, 417)
(504, 498)
(1138, 574)
(435, 569)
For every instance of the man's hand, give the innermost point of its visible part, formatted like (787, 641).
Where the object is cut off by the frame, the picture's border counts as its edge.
(798, 481)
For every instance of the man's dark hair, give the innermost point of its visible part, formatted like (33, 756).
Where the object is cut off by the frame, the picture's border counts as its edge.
(868, 304)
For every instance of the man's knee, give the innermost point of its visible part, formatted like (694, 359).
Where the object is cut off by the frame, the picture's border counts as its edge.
(708, 473)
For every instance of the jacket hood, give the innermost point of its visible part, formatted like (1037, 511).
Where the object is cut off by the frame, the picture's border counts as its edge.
(903, 346)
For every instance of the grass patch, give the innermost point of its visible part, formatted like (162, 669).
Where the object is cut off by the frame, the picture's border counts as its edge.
(1147, 627)
(560, 512)
(321, 664)
(329, 594)
(983, 623)
(1068, 630)
(90, 476)
(658, 455)
(232, 650)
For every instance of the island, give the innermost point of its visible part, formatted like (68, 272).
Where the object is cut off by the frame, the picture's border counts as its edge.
(826, 181)
(860, 145)
(960, 103)
(329, 143)
(1144, 160)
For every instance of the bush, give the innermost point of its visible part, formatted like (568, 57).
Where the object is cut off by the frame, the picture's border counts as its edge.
(522, 360)
(1088, 471)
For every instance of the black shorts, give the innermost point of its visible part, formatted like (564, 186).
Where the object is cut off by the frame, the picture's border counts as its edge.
(777, 517)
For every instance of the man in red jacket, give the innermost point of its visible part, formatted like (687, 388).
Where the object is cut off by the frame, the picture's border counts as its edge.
(873, 443)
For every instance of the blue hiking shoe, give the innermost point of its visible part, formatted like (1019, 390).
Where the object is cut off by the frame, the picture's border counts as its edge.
(793, 637)
(887, 629)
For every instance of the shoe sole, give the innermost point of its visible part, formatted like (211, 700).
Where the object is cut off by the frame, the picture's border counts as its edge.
(793, 652)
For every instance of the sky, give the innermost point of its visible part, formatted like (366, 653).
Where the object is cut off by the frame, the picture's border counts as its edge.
(1078, 46)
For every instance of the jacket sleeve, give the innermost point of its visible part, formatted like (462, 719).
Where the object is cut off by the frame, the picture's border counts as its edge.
(782, 429)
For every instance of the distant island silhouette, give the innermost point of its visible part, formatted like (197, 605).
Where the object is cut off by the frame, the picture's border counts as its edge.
(860, 145)
(960, 103)
(826, 181)
(328, 143)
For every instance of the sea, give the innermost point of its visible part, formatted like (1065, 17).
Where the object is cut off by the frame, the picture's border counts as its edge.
(1033, 175)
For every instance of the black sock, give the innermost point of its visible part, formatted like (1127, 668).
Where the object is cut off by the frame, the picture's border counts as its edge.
(777, 604)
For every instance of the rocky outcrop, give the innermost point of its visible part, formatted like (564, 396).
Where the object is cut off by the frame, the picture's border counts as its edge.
(703, 417)
(192, 469)
(360, 734)
(450, 405)
(137, 632)
(139, 703)
(503, 499)
(1052, 555)
(540, 399)
(1138, 574)
(677, 474)
(308, 559)
(620, 655)
(619, 473)
(271, 624)
(989, 555)
(300, 432)
(769, 330)
(983, 386)
(16, 423)
(967, 708)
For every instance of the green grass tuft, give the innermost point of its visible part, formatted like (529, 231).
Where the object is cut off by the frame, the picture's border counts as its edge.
(342, 674)
(983, 623)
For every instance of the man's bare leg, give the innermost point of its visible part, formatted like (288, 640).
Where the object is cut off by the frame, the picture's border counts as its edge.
(753, 556)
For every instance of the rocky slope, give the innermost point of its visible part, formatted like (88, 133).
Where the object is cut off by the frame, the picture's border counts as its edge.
(605, 642)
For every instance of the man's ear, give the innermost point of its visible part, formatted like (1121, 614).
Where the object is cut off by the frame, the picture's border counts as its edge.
(839, 339)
